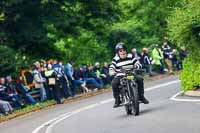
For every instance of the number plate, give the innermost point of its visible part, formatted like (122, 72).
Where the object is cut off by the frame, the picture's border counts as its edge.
(130, 77)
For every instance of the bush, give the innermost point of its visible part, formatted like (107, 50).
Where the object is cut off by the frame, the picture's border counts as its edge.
(184, 29)
(190, 76)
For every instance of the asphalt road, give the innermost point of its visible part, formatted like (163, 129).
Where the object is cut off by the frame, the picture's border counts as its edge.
(96, 115)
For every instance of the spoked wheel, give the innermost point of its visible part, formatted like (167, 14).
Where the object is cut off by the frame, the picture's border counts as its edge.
(135, 100)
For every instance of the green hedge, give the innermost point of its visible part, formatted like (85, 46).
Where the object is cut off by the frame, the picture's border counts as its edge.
(190, 76)
(184, 30)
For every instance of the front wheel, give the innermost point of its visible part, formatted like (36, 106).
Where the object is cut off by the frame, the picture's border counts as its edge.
(135, 99)
(128, 108)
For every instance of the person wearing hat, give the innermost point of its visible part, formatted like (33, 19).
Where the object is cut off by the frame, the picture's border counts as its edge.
(122, 58)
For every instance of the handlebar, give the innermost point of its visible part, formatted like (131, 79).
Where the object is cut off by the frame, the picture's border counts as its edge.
(132, 71)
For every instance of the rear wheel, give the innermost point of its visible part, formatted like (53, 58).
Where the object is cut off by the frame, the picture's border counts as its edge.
(134, 99)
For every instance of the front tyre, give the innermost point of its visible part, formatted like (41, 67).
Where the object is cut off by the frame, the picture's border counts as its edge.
(128, 108)
(135, 99)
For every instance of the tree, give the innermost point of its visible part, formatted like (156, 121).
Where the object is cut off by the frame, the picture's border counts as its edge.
(184, 29)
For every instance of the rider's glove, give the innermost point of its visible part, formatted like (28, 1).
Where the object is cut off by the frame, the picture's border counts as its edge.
(112, 73)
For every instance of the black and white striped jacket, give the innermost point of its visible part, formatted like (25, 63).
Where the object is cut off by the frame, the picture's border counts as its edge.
(118, 63)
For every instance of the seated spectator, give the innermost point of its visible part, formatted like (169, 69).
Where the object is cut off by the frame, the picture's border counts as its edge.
(75, 82)
(24, 91)
(9, 94)
(98, 75)
(90, 74)
(39, 81)
(5, 107)
(80, 74)
(105, 71)
(52, 83)
(157, 56)
(147, 61)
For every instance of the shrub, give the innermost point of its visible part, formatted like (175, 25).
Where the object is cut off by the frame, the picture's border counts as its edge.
(184, 29)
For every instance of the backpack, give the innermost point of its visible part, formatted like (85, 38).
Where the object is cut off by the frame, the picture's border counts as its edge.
(29, 77)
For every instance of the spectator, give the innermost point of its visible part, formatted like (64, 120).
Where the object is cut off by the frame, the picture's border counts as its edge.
(147, 61)
(79, 78)
(39, 81)
(63, 81)
(183, 54)
(174, 60)
(24, 91)
(105, 71)
(82, 74)
(167, 52)
(136, 54)
(157, 56)
(5, 107)
(75, 83)
(94, 72)
(43, 69)
(8, 94)
(52, 83)
(68, 69)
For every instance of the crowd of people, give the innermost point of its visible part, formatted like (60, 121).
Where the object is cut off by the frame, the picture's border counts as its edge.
(56, 80)
(161, 59)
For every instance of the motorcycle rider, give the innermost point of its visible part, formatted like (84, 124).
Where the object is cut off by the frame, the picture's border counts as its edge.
(122, 58)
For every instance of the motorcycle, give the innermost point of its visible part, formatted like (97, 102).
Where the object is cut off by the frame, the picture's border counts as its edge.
(129, 91)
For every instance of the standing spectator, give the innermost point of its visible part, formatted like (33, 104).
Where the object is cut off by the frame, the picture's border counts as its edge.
(105, 71)
(157, 56)
(69, 73)
(167, 52)
(39, 81)
(183, 54)
(147, 61)
(63, 82)
(136, 54)
(174, 59)
(43, 68)
(52, 84)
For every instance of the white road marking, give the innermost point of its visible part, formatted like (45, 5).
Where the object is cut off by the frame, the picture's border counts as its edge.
(183, 100)
(162, 85)
(51, 123)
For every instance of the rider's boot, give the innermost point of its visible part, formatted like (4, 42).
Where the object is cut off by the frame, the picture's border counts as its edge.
(144, 100)
(117, 102)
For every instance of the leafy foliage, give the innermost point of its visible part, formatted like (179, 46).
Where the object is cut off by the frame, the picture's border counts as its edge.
(82, 30)
(184, 30)
(143, 22)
